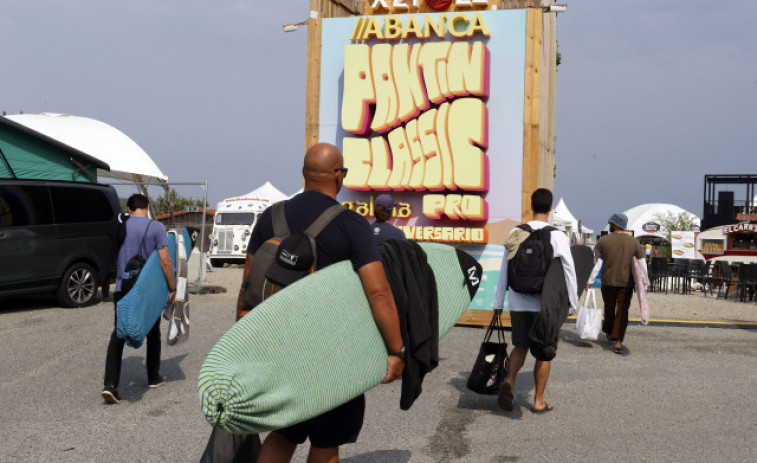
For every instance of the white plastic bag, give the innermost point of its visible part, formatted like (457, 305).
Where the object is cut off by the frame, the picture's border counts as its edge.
(589, 318)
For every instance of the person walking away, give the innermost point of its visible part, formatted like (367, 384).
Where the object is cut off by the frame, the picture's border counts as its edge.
(382, 230)
(143, 236)
(524, 307)
(348, 236)
(614, 253)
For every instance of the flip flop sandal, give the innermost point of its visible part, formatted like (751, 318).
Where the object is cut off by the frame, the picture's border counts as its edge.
(620, 351)
(547, 408)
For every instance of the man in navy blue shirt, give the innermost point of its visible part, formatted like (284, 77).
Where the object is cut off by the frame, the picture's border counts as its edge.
(382, 230)
(348, 236)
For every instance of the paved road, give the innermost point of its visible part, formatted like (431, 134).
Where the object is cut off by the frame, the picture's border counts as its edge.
(683, 394)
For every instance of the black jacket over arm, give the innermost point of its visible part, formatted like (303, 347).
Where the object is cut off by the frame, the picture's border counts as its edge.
(414, 288)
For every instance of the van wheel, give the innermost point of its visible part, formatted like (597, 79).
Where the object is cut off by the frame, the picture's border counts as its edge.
(216, 263)
(79, 286)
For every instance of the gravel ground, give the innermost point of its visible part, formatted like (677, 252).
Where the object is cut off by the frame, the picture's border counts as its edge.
(681, 393)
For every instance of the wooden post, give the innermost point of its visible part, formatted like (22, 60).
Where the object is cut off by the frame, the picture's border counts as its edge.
(547, 110)
(313, 85)
(531, 108)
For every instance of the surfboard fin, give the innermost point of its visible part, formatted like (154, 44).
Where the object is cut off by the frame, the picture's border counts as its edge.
(472, 271)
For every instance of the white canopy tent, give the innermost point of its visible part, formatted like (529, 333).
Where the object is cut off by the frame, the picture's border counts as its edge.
(642, 219)
(561, 218)
(266, 194)
(126, 159)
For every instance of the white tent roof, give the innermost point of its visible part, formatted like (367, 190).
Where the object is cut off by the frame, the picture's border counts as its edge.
(126, 159)
(645, 214)
(561, 216)
(266, 193)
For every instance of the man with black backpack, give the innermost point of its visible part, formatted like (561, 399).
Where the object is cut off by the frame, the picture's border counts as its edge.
(138, 237)
(345, 235)
(530, 248)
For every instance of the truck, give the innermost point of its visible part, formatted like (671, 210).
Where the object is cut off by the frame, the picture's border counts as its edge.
(235, 217)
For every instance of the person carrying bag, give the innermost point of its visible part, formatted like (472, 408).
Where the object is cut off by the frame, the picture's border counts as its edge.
(589, 318)
(492, 362)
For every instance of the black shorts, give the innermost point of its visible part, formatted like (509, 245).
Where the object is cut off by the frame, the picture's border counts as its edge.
(522, 323)
(334, 428)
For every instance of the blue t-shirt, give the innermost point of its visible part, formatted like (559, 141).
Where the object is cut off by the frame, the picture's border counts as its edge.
(155, 238)
(383, 231)
(348, 236)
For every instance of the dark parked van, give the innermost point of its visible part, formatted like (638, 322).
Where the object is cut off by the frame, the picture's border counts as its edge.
(57, 237)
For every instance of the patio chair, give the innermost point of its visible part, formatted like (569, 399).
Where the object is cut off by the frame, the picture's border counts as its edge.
(694, 272)
(658, 274)
(747, 281)
(726, 278)
(710, 277)
(679, 274)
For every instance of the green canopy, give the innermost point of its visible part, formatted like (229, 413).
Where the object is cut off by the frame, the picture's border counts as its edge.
(27, 154)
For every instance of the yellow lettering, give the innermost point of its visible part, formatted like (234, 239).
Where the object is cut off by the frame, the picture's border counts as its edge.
(419, 159)
(358, 159)
(412, 27)
(432, 178)
(381, 165)
(386, 94)
(433, 206)
(404, 210)
(359, 92)
(478, 26)
(392, 27)
(430, 55)
(440, 28)
(402, 162)
(407, 78)
(444, 148)
(362, 208)
(373, 30)
(468, 117)
(458, 25)
(467, 69)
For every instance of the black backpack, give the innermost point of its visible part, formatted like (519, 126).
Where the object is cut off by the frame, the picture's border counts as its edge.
(526, 270)
(285, 258)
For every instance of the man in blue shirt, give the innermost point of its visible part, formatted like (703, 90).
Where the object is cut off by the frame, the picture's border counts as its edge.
(382, 210)
(143, 235)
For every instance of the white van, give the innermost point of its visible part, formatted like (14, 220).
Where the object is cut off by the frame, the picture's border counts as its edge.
(234, 220)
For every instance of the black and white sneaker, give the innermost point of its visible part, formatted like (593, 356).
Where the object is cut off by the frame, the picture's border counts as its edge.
(156, 382)
(111, 395)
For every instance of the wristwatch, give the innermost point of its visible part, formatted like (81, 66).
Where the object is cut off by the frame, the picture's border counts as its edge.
(400, 354)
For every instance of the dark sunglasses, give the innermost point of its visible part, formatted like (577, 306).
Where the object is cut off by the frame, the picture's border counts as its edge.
(341, 169)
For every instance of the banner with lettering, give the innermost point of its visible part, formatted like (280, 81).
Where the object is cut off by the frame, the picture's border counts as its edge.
(429, 108)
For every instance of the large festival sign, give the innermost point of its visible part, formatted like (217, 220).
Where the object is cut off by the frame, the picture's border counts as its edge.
(430, 105)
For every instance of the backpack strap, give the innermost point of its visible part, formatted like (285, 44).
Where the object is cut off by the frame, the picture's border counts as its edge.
(526, 227)
(324, 219)
(142, 241)
(280, 226)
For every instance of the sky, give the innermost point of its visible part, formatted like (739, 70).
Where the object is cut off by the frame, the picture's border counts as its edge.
(651, 95)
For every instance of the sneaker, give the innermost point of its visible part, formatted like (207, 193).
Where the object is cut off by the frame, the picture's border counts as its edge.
(111, 395)
(157, 382)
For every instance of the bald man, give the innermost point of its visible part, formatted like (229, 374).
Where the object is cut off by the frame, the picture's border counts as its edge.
(348, 236)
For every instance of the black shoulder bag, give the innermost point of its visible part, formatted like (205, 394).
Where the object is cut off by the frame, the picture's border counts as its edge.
(492, 363)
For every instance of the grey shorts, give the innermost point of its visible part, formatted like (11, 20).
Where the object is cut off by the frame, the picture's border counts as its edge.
(522, 323)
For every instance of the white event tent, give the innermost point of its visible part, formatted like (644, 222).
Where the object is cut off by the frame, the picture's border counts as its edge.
(126, 159)
(561, 218)
(266, 194)
(642, 219)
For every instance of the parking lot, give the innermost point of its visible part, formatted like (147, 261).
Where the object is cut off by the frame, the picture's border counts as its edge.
(683, 394)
